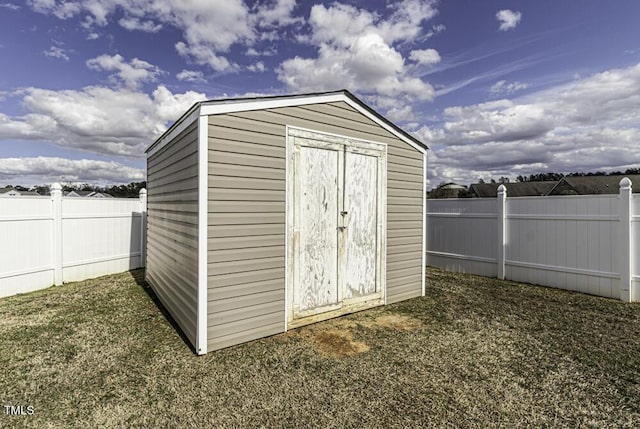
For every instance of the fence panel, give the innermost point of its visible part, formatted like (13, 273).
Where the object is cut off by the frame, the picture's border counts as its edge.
(587, 243)
(463, 236)
(26, 246)
(50, 240)
(100, 236)
(565, 242)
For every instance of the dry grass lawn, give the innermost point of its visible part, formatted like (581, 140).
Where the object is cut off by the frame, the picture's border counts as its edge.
(473, 353)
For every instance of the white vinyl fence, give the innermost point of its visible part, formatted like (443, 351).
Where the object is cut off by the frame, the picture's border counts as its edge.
(583, 243)
(46, 241)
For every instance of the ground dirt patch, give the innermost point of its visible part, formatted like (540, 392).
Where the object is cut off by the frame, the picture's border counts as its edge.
(335, 337)
(338, 343)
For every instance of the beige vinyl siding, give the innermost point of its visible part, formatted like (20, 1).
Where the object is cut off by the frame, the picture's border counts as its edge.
(246, 232)
(172, 228)
(246, 248)
(404, 223)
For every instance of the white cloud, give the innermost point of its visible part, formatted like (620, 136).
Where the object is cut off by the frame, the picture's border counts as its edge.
(190, 76)
(9, 6)
(97, 119)
(231, 22)
(209, 28)
(405, 23)
(398, 114)
(508, 19)
(28, 127)
(56, 52)
(62, 10)
(436, 29)
(133, 23)
(342, 25)
(132, 74)
(503, 88)
(257, 67)
(269, 52)
(589, 124)
(426, 134)
(169, 106)
(425, 56)
(356, 51)
(51, 169)
(203, 55)
(276, 15)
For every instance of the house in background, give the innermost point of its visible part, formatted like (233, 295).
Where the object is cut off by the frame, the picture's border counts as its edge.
(569, 185)
(10, 191)
(448, 190)
(592, 185)
(90, 194)
(514, 189)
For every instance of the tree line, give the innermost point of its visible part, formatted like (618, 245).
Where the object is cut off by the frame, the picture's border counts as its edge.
(554, 177)
(130, 190)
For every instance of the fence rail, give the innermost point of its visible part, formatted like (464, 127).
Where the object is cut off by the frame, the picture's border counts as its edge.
(48, 240)
(582, 243)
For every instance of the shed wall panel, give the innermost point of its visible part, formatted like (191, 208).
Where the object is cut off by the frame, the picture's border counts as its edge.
(246, 228)
(172, 228)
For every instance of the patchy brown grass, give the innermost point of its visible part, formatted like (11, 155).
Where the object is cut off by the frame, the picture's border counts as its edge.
(399, 322)
(473, 353)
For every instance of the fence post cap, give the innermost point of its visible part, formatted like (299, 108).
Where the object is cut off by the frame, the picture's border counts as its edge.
(143, 191)
(56, 187)
(502, 189)
(625, 183)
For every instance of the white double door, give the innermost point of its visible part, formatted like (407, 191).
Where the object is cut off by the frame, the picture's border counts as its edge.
(338, 223)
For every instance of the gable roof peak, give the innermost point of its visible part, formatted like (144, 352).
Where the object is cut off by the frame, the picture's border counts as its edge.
(231, 105)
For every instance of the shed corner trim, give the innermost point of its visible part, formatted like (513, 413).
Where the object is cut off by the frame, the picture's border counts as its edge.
(203, 196)
(424, 223)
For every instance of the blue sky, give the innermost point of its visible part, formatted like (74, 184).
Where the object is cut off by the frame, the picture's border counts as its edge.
(496, 88)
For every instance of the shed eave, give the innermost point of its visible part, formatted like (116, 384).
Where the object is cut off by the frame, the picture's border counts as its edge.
(218, 107)
(189, 117)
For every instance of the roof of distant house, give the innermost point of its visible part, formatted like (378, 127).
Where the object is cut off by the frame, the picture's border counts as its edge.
(8, 189)
(93, 194)
(452, 186)
(590, 185)
(75, 193)
(514, 189)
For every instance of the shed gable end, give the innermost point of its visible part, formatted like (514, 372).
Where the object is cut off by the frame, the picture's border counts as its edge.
(247, 200)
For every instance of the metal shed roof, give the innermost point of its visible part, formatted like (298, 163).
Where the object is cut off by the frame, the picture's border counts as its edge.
(220, 106)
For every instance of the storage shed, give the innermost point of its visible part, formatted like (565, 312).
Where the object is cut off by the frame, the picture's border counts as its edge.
(274, 212)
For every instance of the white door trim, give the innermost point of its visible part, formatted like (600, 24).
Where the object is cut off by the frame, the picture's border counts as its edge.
(353, 145)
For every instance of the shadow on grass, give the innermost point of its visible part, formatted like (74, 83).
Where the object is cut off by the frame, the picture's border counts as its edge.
(138, 276)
